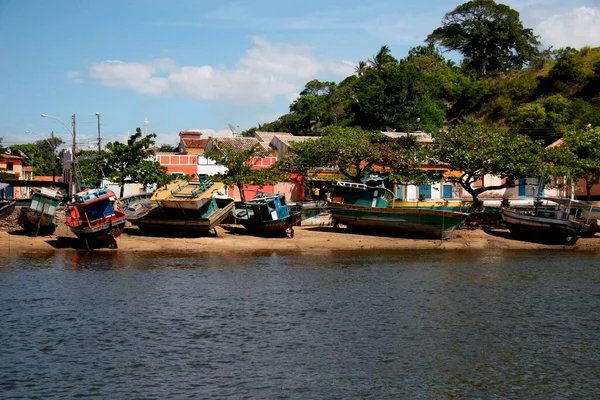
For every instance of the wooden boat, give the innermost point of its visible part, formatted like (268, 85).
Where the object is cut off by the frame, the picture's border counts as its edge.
(39, 218)
(6, 206)
(96, 215)
(267, 214)
(551, 219)
(357, 205)
(448, 205)
(182, 207)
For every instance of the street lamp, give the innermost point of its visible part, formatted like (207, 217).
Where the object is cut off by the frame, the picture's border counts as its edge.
(73, 148)
(52, 144)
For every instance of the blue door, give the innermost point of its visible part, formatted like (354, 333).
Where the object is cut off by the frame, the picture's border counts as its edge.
(522, 189)
(10, 192)
(425, 191)
(447, 192)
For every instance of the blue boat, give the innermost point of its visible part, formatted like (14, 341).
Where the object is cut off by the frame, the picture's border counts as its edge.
(267, 215)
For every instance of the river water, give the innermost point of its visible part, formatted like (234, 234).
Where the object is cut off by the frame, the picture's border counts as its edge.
(384, 325)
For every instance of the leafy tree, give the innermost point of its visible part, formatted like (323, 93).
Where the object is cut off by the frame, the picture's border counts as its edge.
(357, 153)
(131, 162)
(2, 148)
(240, 170)
(578, 157)
(90, 167)
(490, 36)
(477, 151)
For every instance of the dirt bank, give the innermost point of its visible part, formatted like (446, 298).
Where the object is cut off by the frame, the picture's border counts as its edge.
(306, 239)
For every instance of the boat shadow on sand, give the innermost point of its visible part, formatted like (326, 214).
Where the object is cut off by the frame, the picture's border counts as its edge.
(66, 242)
(170, 233)
(506, 234)
(239, 230)
(342, 229)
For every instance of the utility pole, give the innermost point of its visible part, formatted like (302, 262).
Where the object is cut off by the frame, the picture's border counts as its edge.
(73, 148)
(52, 159)
(99, 139)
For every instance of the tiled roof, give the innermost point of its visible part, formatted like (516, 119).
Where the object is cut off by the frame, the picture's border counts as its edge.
(288, 139)
(421, 136)
(191, 132)
(237, 144)
(557, 143)
(10, 156)
(266, 137)
(194, 143)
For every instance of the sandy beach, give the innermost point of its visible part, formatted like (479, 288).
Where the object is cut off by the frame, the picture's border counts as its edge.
(309, 239)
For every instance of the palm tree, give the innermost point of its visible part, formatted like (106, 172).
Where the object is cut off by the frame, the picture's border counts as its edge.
(382, 59)
(361, 68)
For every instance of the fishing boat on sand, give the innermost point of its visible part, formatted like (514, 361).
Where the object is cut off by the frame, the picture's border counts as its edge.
(183, 207)
(96, 215)
(551, 219)
(267, 215)
(40, 217)
(360, 206)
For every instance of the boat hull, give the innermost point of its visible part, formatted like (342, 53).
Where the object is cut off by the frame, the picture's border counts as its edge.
(104, 232)
(409, 221)
(35, 222)
(521, 223)
(6, 209)
(271, 228)
(155, 221)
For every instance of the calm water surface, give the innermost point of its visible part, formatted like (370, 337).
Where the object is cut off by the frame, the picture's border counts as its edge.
(390, 325)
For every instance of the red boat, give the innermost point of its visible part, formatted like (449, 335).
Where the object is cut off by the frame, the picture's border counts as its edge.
(96, 215)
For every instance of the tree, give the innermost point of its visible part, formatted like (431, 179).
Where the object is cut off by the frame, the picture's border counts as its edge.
(382, 59)
(357, 153)
(240, 170)
(578, 157)
(490, 36)
(131, 162)
(361, 68)
(476, 151)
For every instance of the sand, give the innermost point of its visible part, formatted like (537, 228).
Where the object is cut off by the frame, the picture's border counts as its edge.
(310, 239)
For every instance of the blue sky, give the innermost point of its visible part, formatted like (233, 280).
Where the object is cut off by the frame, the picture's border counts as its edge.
(193, 64)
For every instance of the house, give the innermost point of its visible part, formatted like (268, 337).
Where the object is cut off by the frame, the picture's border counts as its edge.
(13, 166)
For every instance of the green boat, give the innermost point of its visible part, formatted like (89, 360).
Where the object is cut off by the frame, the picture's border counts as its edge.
(371, 208)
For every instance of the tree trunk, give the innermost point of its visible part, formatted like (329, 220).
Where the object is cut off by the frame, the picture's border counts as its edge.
(122, 191)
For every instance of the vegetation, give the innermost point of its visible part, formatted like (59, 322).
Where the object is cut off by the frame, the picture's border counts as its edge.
(578, 157)
(476, 151)
(123, 163)
(240, 170)
(490, 36)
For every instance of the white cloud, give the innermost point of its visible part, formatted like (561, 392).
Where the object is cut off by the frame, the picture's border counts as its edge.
(75, 77)
(577, 28)
(265, 72)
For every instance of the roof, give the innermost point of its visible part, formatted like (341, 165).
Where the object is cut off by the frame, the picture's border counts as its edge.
(289, 139)
(46, 178)
(194, 143)
(421, 136)
(266, 137)
(10, 156)
(557, 143)
(237, 144)
(191, 132)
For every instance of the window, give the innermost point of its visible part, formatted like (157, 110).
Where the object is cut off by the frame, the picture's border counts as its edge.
(9, 166)
(177, 173)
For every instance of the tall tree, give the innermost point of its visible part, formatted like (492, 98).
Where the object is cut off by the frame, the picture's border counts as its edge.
(490, 36)
(132, 162)
(477, 151)
(240, 171)
(578, 157)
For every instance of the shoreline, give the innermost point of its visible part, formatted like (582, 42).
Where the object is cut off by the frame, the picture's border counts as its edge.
(307, 239)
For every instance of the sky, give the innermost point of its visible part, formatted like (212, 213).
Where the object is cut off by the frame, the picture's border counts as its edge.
(195, 64)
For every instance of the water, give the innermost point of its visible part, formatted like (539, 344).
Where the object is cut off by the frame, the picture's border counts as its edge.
(399, 325)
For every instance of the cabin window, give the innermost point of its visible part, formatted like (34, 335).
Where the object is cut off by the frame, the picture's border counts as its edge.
(9, 166)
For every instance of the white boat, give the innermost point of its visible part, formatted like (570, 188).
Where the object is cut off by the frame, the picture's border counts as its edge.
(551, 219)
